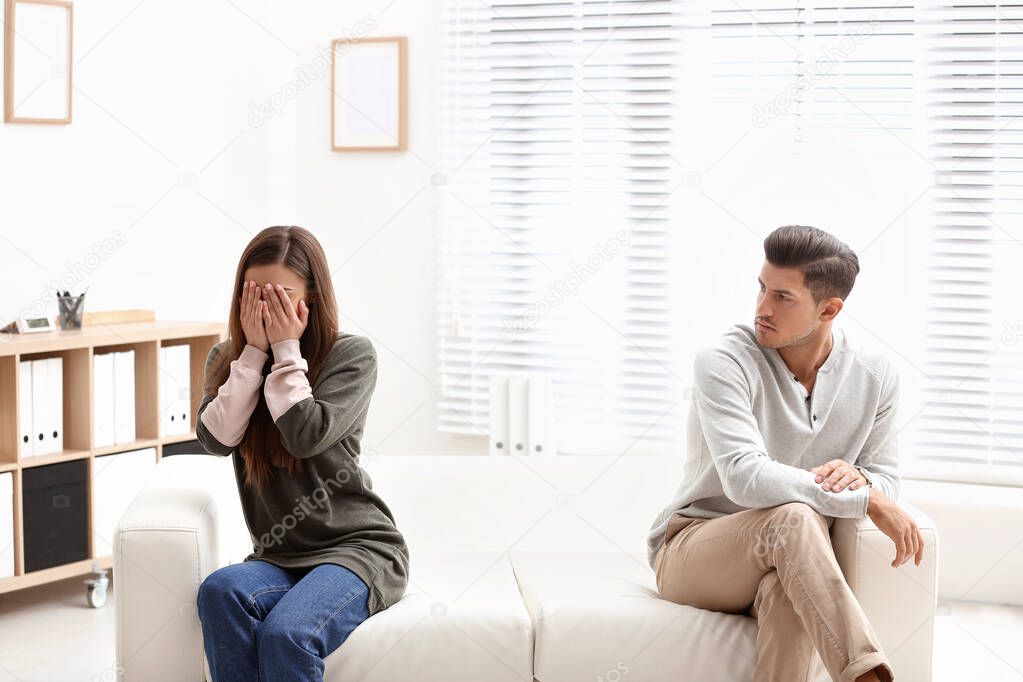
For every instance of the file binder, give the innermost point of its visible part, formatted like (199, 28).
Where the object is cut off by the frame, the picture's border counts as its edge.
(103, 400)
(26, 434)
(53, 416)
(124, 396)
(518, 415)
(176, 404)
(498, 414)
(184, 402)
(540, 411)
(47, 406)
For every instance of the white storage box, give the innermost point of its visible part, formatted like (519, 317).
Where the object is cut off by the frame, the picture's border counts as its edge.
(116, 479)
(6, 525)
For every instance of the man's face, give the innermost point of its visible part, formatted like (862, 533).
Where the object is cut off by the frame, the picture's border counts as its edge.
(786, 307)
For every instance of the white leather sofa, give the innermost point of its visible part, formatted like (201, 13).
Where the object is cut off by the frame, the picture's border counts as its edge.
(521, 569)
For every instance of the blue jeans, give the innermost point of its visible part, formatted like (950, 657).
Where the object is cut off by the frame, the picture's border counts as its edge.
(262, 622)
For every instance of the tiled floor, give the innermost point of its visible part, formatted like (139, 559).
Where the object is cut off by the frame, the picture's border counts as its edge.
(49, 634)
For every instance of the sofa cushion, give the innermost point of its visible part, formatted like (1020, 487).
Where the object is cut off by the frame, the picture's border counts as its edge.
(598, 616)
(461, 618)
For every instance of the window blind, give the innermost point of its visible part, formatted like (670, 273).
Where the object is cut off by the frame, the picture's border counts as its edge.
(557, 173)
(974, 327)
(818, 69)
(558, 127)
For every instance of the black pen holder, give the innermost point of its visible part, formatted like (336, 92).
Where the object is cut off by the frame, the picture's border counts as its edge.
(71, 309)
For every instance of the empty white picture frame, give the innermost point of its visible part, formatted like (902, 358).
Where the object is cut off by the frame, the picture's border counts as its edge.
(369, 94)
(38, 61)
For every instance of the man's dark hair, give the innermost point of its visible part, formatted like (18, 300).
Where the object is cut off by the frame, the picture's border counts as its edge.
(828, 265)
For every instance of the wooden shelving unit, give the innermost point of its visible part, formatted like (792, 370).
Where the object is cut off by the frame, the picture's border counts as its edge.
(77, 348)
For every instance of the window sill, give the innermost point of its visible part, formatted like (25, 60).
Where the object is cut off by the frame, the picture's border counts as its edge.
(955, 472)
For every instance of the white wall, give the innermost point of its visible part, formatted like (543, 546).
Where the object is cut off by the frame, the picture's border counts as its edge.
(147, 110)
(169, 155)
(166, 162)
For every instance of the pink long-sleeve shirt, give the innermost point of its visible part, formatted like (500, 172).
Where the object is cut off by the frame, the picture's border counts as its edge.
(228, 416)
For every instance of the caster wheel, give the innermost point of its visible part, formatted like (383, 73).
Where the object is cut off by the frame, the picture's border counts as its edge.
(96, 594)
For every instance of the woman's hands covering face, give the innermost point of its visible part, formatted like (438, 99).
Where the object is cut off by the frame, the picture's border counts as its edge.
(281, 319)
(251, 313)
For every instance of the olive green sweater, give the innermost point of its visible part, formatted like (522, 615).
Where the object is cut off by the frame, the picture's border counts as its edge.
(328, 511)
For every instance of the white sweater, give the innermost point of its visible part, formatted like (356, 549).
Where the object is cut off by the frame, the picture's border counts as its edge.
(754, 431)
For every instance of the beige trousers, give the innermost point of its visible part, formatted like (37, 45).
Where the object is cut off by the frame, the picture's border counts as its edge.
(777, 565)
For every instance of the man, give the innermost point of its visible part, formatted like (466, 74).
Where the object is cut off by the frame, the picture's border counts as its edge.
(790, 426)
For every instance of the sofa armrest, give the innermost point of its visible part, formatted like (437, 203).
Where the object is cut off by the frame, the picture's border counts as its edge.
(185, 523)
(899, 602)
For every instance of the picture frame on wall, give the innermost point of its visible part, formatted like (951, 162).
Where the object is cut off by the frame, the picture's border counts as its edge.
(38, 60)
(369, 93)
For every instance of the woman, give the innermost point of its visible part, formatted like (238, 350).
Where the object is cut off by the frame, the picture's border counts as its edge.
(326, 552)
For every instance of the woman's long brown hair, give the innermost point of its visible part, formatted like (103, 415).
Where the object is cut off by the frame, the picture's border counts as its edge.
(298, 250)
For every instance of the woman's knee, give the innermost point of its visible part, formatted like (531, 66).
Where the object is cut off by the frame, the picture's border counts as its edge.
(220, 587)
(212, 590)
